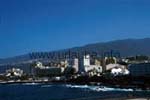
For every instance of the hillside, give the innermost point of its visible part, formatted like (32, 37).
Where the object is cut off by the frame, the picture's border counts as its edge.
(127, 47)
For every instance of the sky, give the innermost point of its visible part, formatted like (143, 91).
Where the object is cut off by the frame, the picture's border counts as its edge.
(47, 25)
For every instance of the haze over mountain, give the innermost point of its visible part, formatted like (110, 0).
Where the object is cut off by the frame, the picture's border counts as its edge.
(126, 47)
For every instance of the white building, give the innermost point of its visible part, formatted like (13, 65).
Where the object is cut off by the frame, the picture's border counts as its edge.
(76, 65)
(39, 65)
(117, 69)
(14, 72)
(42, 70)
(86, 60)
(88, 67)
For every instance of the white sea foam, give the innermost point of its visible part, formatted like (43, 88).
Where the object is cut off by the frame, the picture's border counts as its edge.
(30, 84)
(45, 86)
(98, 88)
(110, 89)
(77, 86)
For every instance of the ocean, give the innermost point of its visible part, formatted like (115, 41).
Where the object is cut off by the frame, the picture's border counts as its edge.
(64, 92)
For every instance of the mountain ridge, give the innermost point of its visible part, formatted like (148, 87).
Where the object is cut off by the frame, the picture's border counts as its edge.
(126, 47)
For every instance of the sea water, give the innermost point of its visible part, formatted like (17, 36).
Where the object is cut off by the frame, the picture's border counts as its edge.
(32, 91)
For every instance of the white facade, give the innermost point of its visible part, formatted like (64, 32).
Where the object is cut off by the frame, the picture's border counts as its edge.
(96, 68)
(76, 65)
(119, 71)
(110, 66)
(86, 60)
(88, 67)
(39, 65)
(15, 71)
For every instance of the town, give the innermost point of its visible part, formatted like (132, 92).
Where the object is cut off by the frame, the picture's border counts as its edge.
(121, 72)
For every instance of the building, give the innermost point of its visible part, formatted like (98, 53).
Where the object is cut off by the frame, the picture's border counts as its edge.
(111, 66)
(76, 65)
(89, 68)
(16, 72)
(73, 63)
(47, 71)
(110, 60)
(141, 69)
(117, 69)
(86, 60)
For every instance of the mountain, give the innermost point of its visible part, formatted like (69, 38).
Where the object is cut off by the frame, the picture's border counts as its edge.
(126, 47)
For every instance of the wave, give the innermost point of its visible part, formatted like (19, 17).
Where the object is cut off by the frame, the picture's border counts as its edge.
(111, 89)
(87, 87)
(77, 86)
(30, 83)
(98, 88)
(45, 86)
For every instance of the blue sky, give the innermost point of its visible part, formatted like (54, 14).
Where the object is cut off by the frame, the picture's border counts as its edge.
(46, 25)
